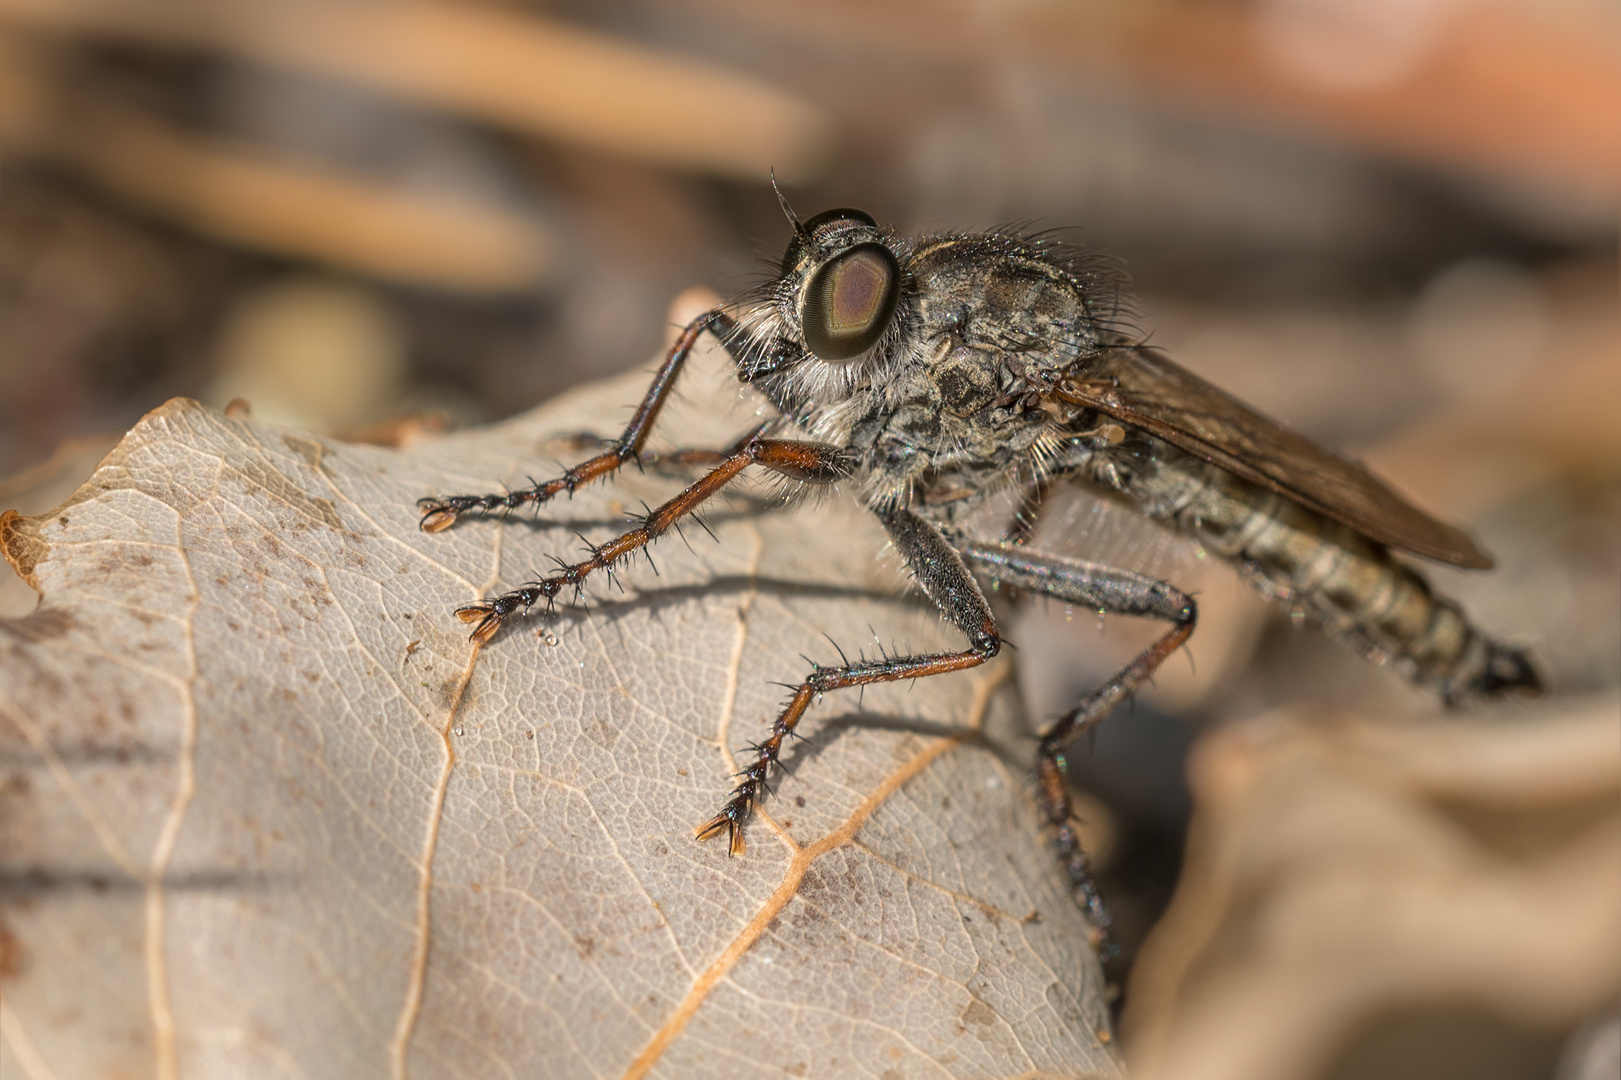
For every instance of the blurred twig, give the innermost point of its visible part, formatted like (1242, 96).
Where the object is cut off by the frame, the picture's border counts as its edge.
(248, 197)
(528, 75)
(505, 67)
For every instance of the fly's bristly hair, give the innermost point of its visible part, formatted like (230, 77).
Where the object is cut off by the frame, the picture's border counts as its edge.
(976, 313)
(1104, 279)
(953, 378)
(973, 389)
(774, 352)
(774, 491)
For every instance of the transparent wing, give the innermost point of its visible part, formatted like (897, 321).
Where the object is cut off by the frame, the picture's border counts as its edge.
(1142, 388)
(1083, 522)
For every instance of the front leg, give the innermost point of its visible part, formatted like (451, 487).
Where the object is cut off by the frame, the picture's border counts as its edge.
(805, 462)
(441, 511)
(942, 575)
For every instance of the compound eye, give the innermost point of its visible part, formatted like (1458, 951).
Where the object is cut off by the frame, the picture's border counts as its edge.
(849, 302)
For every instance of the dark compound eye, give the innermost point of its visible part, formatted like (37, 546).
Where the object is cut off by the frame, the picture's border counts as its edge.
(843, 216)
(850, 301)
(822, 226)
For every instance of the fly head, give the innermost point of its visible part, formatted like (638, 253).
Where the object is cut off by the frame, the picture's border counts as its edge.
(833, 314)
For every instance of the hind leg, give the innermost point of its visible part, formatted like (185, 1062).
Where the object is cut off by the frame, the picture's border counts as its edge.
(1104, 589)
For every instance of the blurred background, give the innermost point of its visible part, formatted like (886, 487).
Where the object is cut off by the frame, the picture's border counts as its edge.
(1391, 223)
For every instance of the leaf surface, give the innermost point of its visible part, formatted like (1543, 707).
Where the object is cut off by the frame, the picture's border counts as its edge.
(265, 811)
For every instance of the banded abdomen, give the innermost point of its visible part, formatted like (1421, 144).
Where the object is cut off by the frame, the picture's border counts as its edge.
(1354, 588)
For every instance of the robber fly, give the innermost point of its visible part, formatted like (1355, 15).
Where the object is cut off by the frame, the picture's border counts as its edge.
(929, 374)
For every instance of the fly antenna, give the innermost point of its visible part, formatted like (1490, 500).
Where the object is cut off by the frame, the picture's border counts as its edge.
(787, 211)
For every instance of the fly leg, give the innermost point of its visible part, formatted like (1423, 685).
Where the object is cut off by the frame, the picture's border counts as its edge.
(807, 462)
(1105, 589)
(441, 511)
(941, 573)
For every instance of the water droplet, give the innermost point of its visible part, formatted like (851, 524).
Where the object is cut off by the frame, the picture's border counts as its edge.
(548, 637)
(458, 731)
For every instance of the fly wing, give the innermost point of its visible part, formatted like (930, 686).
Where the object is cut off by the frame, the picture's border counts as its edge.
(1145, 390)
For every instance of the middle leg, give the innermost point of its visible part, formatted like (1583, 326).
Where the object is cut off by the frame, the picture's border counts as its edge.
(941, 573)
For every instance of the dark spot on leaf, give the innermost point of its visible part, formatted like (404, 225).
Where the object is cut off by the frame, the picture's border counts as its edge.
(43, 624)
(979, 1013)
(261, 478)
(311, 450)
(445, 695)
(603, 734)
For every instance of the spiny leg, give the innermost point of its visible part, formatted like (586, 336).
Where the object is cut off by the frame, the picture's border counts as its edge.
(441, 511)
(943, 577)
(814, 463)
(1105, 589)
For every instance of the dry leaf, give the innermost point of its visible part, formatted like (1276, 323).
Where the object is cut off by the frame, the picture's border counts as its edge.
(264, 811)
(1342, 869)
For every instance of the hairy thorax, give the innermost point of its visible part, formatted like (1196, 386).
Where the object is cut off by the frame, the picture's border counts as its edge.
(956, 417)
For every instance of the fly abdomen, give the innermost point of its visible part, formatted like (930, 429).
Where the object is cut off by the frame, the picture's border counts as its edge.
(1322, 570)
